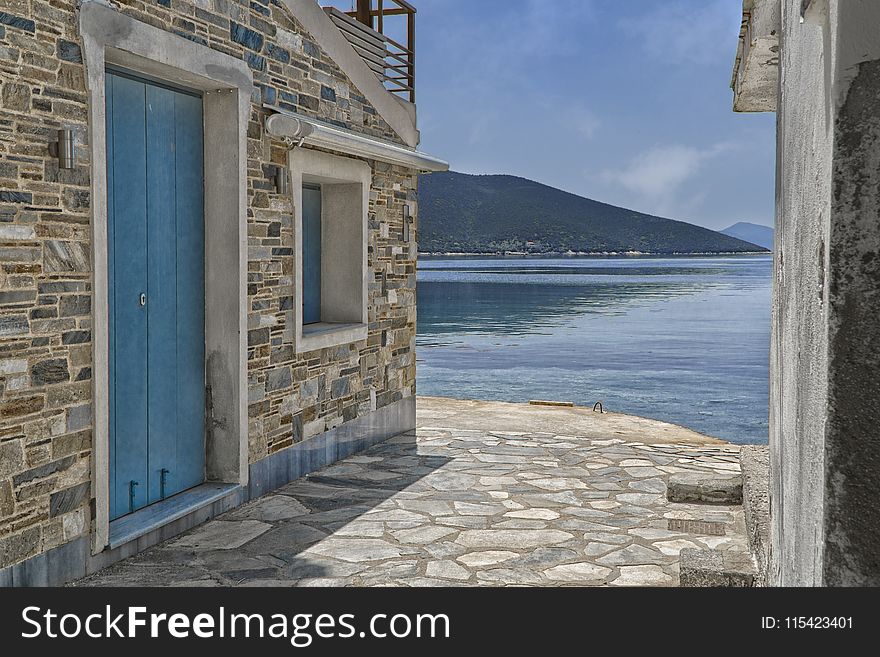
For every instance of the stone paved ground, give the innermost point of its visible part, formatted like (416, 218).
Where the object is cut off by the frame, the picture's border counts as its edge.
(453, 506)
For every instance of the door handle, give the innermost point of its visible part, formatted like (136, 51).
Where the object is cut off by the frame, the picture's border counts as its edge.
(143, 300)
(163, 480)
(131, 486)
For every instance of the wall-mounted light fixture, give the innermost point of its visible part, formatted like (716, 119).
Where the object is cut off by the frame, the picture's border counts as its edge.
(63, 150)
(406, 222)
(282, 185)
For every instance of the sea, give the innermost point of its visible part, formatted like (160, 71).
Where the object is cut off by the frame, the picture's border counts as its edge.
(679, 339)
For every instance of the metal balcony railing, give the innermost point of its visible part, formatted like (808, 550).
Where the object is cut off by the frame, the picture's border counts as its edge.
(367, 29)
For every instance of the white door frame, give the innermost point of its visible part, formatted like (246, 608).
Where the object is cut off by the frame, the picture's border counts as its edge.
(227, 83)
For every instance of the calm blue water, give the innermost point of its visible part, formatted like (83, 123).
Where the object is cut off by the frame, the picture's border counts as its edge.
(684, 340)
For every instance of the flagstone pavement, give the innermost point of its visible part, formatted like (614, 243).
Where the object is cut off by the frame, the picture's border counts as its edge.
(453, 506)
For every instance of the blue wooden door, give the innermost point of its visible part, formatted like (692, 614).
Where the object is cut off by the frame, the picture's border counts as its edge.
(157, 291)
(311, 246)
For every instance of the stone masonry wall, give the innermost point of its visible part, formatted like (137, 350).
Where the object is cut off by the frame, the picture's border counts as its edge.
(45, 268)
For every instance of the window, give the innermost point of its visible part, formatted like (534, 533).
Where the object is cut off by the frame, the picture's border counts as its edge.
(311, 255)
(331, 198)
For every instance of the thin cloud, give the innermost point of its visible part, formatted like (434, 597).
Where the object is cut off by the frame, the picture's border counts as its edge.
(656, 176)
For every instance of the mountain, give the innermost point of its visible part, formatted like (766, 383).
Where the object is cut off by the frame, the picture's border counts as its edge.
(462, 213)
(754, 233)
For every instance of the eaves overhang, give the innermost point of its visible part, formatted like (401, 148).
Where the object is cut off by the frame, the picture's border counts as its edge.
(756, 68)
(311, 132)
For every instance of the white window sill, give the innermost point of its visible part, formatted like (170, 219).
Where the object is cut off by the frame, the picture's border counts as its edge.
(323, 335)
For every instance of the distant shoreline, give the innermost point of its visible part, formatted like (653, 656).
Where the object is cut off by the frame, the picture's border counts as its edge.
(571, 254)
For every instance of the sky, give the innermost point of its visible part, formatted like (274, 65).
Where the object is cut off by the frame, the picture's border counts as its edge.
(623, 101)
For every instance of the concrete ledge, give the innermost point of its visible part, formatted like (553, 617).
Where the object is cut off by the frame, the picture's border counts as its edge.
(155, 516)
(73, 560)
(714, 568)
(334, 445)
(705, 489)
(755, 463)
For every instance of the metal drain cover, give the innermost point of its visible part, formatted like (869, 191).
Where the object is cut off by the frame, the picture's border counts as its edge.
(696, 527)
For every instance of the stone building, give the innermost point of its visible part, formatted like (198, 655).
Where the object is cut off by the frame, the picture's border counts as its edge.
(208, 223)
(817, 64)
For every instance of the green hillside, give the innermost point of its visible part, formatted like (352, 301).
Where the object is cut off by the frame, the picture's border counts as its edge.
(489, 214)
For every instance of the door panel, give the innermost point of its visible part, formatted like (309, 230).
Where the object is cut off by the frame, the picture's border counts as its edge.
(311, 246)
(156, 238)
(128, 320)
(190, 294)
(161, 293)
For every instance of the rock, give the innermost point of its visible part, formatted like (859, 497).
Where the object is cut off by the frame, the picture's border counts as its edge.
(585, 573)
(642, 576)
(75, 305)
(508, 576)
(520, 524)
(79, 417)
(7, 501)
(356, 550)
(11, 457)
(13, 325)
(487, 558)
(673, 548)
(639, 499)
(431, 507)
(279, 379)
(450, 481)
(17, 547)
(69, 51)
(598, 549)
(471, 509)
(362, 529)
(447, 570)
(222, 535)
(13, 366)
(422, 535)
(48, 372)
(16, 96)
(244, 36)
(704, 489)
(558, 484)
(64, 256)
(545, 557)
(287, 541)
(76, 200)
(636, 463)
(513, 538)
(65, 501)
(42, 471)
(271, 509)
(340, 388)
(533, 514)
(644, 472)
(632, 554)
(311, 568)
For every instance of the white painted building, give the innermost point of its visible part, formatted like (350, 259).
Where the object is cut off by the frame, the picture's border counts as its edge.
(817, 64)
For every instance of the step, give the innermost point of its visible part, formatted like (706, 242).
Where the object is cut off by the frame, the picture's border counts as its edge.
(693, 488)
(701, 568)
(755, 464)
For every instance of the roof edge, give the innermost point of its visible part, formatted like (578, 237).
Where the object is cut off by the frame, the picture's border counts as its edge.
(330, 39)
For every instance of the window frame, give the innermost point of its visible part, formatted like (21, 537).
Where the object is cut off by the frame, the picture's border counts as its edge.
(345, 188)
